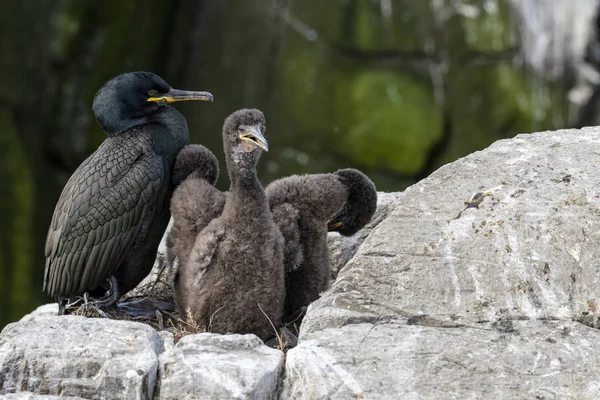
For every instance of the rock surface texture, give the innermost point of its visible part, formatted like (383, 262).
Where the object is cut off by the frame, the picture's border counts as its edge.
(210, 366)
(80, 357)
(481, 281)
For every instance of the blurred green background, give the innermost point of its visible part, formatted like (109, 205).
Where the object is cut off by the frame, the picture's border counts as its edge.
(396, 88)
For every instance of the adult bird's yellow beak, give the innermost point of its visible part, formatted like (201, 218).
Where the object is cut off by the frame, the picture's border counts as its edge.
(175, 95)
(254, 135)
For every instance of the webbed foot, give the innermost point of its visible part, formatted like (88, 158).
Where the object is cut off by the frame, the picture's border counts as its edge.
(145, 307)
(68, 305)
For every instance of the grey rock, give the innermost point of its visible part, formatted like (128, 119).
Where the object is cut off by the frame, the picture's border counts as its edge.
(480, 283)
(77, 356)
(46, 310)
(393, 360)
(343, 248)
(33, 396)
(168, 339)
(212, 366)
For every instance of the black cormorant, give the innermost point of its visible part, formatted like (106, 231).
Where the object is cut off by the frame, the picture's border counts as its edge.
(232, 279)
(306, 207)
(112, 213)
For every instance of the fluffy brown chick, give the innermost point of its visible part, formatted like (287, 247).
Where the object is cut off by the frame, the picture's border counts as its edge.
(232, 279)
(305, 208)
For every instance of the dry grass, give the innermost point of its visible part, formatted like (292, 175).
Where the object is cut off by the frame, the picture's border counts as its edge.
(155, 287)
(279, 341)
(189, 326)
(294, 325)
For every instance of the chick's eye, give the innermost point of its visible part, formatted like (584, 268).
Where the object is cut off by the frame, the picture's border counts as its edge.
(240, 129)
(152, 93)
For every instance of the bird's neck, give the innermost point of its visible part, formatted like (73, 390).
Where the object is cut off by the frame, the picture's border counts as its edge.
(177, 131)
(244, 179)
(241, 168)
(166, 116)
(123, 125)
(246, 191)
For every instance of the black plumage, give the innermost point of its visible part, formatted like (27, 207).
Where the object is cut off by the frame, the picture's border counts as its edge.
(230, 251)
(306, 207)
(112, 213)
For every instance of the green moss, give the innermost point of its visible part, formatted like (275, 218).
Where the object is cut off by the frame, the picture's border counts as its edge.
(489, 28)
(496, 101)
(513, 98)
(529, 103)
(363, 24)
(368, 27)
(21, 230)
(303, 76)
(360, 115)
(327, 19)
(405, 26)
(393, 118)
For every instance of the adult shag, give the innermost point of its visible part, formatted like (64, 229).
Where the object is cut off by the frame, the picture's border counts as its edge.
(112, 213)
(230, 251)
(305, 208)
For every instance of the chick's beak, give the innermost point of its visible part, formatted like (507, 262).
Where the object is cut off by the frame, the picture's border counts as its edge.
(331, 225)
(253, 134)
(175, 95)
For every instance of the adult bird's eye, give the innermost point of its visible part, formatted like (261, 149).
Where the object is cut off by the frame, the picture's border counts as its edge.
(152, 93)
